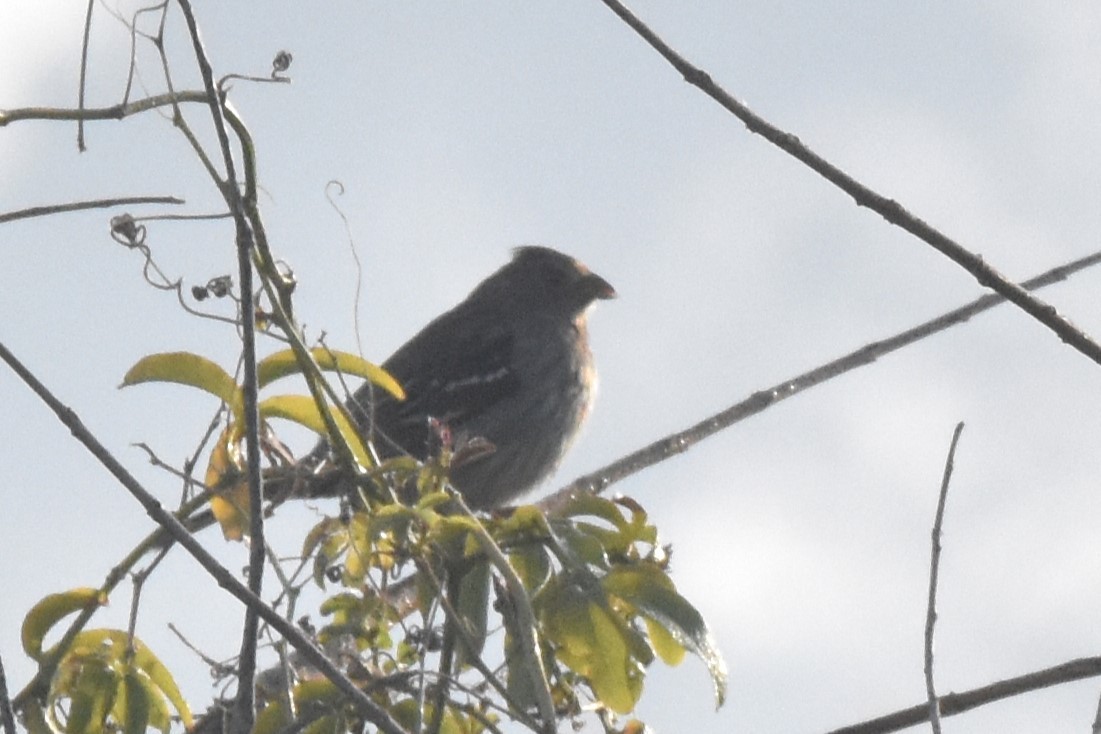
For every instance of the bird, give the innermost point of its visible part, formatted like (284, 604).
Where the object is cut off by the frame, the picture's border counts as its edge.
(508, 370)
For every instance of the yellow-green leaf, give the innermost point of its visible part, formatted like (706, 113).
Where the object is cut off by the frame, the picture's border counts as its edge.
(132, 708)
(665, 645)
(48, 612)
(272, 719)
(225, 473)
(589, 641)
(413, 718)
(185, 368)
(308, 694)
(161, 679)
(92, 698)
(118, 650)
(326, 725)
(472, 606)
(284, 363)
(159, 715)
(647, 589)
(586, 503)
(303, 410)
(532, 564)
(578, 547)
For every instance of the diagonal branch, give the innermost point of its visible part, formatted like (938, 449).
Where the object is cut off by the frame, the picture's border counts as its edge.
(678, 443)
(957, 703)
(889, 209)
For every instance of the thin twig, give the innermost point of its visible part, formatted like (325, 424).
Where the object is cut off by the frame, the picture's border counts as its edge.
(338, 188)
(934, 570)
(526, 625)
(138, 581)
(681, 441)
(889, 209)
(83, 74)
(113, 112)
(42, 211)
(473, 657)
(7, 716)
(217, 669)
(244, 708)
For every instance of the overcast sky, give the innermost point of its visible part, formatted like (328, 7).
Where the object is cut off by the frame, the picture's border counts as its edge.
(462, 130)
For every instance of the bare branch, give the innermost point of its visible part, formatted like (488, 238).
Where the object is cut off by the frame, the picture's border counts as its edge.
(114, 112)
(681, 441)
(934, 570)
(957, 703)
(84, 74)
(42, 211)
(889, 209)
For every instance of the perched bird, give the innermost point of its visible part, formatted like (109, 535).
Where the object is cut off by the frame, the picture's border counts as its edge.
(509, 366)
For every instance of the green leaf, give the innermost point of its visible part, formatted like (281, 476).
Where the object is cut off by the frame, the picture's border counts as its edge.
(161, 679)
(665, 645)
(118, 650)
(132, 708)
(472, 606)
(92, 697)
(284, 363)
(159, 715)
(303, 410)
(366, 618)
(520, 681)
(646, 588)
(185, 368)
(411, 718)
(590, 640)
(52, 609)
(580, 548)
(326, 724)
(532, 564)
(309, 695)
(586, 503)
(454, 535)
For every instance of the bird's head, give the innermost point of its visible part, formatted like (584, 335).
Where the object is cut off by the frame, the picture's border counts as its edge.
(545, 280)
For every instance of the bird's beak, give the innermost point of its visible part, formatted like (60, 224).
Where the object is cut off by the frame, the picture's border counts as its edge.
(599, 288)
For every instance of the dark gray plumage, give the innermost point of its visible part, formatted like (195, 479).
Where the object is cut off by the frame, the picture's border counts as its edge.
(510, 365)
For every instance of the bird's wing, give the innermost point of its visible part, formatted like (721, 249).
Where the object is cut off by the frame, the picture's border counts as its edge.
(463, 376)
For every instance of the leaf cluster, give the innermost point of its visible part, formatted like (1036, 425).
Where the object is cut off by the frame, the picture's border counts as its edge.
(449, 621)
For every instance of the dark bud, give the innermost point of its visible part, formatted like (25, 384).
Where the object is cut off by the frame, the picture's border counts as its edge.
(219, 287)
(431, 639)
(281, 62)
(126, 231)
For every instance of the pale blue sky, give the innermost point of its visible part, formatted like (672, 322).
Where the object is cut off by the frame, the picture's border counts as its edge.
(461, 130)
